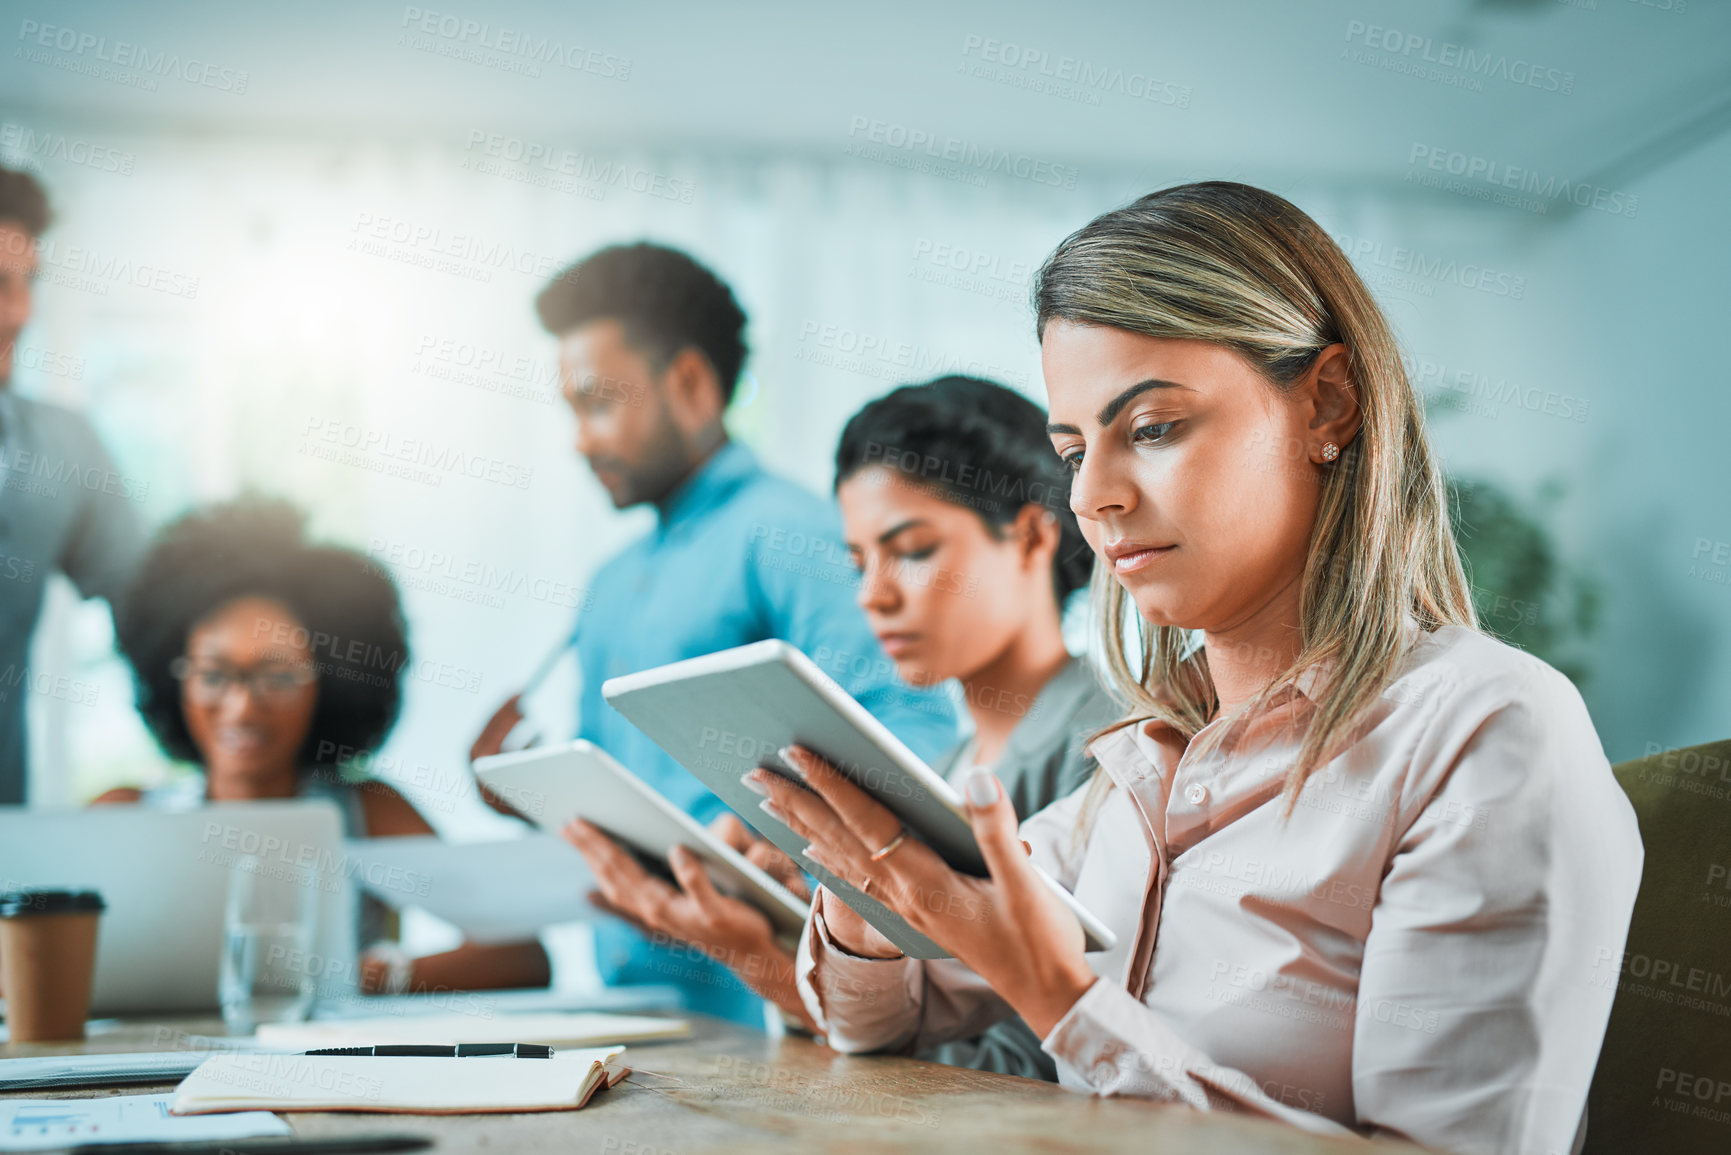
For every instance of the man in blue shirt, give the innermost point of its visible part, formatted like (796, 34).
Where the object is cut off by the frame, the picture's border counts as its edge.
(651, 345)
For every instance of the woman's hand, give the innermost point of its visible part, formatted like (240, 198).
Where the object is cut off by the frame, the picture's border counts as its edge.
(1009, 928)
(853, 933)
(694, 912)
(386, 969)
(762, 854)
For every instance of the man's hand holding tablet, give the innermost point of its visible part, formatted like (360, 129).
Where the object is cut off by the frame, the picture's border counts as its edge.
(642, 841)
(1011, 928)
(695, 912)
(761, 853)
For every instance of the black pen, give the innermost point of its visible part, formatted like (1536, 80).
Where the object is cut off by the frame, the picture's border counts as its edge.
(442, 1051)
(278, 1144)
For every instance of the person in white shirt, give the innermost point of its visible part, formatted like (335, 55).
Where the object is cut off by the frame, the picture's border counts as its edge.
(1365, 864)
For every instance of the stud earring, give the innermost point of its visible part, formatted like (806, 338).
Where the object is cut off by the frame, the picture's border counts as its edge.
(1330, 451)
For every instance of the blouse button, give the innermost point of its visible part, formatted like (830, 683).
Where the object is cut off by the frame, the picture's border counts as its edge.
(1196, 794)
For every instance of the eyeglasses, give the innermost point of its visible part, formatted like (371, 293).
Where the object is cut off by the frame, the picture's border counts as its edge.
(271, 684)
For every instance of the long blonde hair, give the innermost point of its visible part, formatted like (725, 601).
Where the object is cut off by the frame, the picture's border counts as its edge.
(1240, 267)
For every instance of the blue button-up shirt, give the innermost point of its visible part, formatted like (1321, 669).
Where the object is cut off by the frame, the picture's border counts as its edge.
(738, 556)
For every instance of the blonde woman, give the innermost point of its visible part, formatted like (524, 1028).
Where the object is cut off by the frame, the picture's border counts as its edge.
(1368, 867)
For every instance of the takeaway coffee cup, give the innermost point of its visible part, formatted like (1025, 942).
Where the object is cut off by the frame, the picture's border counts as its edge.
(47, 958)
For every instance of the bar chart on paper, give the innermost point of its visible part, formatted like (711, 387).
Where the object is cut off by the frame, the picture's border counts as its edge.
(50, 1124)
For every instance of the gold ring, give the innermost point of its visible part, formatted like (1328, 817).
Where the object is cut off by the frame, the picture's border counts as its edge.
(887, 848)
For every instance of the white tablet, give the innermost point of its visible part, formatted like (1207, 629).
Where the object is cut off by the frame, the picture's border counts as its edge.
(726, 713)
(550, 787)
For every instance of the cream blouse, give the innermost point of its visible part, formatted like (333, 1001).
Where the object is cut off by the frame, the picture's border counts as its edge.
(1427, 948)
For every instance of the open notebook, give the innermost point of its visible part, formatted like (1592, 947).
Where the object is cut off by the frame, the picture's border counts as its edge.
(275, 1082)
(554, 1028)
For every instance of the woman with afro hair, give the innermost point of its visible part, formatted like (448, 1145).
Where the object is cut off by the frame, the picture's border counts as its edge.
(275, 664)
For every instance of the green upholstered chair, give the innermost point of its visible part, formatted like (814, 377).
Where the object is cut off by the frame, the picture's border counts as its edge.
(1663, 1082)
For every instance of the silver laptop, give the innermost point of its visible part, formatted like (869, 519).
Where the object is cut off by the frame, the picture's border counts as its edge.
(164, 876)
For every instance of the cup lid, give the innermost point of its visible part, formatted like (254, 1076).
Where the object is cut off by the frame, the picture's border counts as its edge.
(21, 903)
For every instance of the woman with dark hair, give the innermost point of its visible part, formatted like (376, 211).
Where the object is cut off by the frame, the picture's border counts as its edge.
(274, 664)
(957, 516)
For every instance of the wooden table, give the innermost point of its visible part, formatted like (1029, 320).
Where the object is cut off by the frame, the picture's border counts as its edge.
(731, 1089)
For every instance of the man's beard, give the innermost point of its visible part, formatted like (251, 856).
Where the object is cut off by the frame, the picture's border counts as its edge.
(665, 462)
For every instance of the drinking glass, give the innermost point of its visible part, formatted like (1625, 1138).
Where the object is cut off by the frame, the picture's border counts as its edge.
(267, 973)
